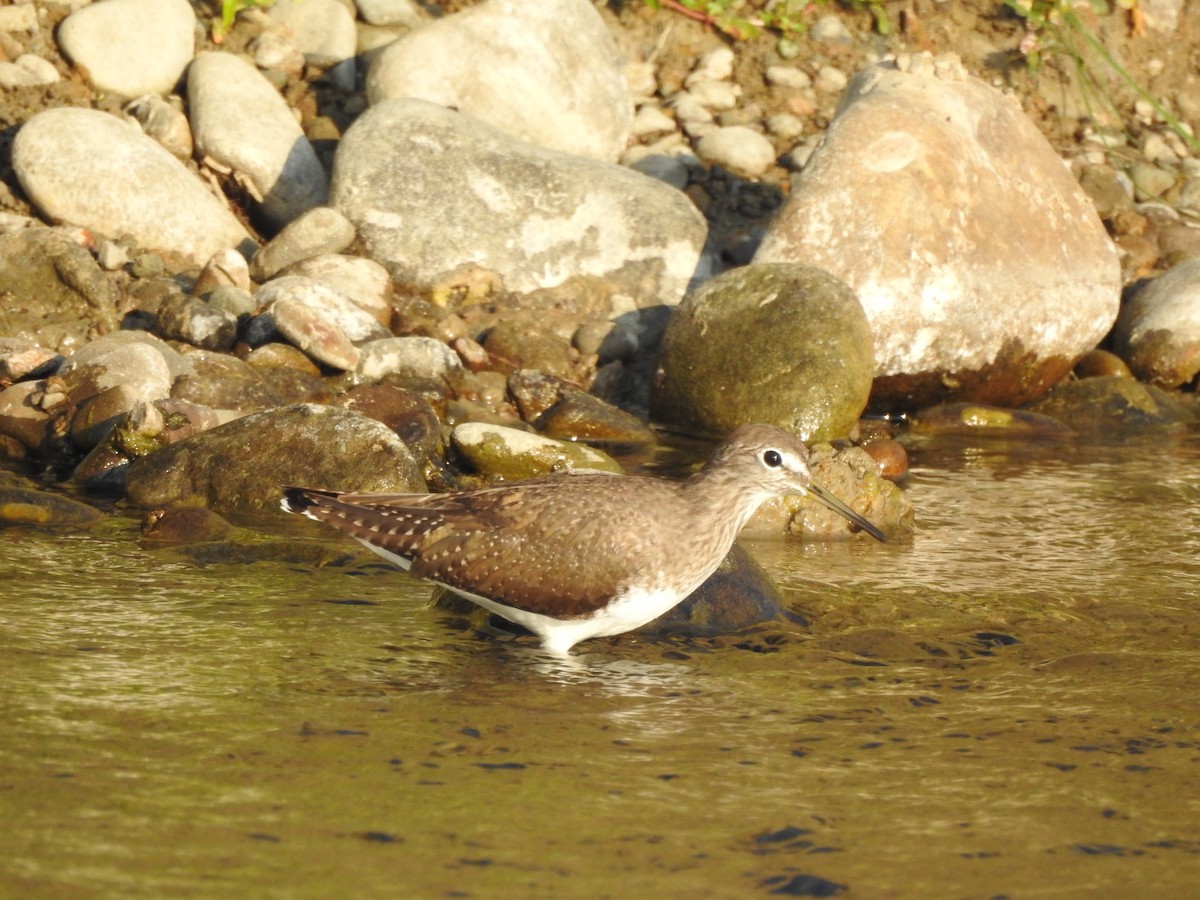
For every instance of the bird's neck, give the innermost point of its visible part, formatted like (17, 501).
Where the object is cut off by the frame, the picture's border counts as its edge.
(720, 501)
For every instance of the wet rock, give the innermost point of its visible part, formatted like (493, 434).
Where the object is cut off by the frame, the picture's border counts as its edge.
(505, 454)
(231, 300)
(24, 506)
(920, 198)
(241, 466)
(184, 525)
(778, 343)
(364, 281)
(405, 412)
(319, 231)
(24, 417)
(562, 411)
(55, 293)
(549, 73)
(531, 341)
(240, 120)
(431, 191)
(94, 170)
(1158, 330)
(281, 356)
(1100, 362)
(891, 459)
(1115, 403)
(979, 420)
(197, 322)
(738, 596)
(146, 428)
(98, 352)
(131, 47)
(852, 476)
(226, 382)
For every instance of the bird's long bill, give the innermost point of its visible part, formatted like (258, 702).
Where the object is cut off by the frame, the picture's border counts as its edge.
(842, 509)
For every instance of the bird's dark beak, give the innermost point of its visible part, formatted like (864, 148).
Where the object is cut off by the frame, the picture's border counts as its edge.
(832, 502)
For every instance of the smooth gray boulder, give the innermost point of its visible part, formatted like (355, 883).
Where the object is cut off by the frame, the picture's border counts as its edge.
(547, 72)
(88, 168)
(432, 191)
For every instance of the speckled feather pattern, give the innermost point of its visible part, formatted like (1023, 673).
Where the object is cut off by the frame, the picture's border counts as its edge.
(566, 547)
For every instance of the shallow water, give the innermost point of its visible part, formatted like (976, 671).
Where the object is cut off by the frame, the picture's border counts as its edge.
(1004, 705)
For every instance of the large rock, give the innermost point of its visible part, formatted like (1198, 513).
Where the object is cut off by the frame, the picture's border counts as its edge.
(241, 466)
(783, 344)
(547, 72)
(432, 191)
(87, 168)
(981, 264)
(1158, 331)
(131, 47)
(240, 120)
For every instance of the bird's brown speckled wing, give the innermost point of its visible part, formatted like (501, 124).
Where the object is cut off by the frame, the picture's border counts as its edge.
(511, 544)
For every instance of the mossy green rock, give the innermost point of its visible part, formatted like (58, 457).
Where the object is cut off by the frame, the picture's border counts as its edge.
(242, 466)
(779, 343)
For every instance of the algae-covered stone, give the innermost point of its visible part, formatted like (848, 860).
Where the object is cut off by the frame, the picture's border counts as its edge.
(25, 506)
(509, 454)
(241, 466)
(1114, 402)
(780, 343)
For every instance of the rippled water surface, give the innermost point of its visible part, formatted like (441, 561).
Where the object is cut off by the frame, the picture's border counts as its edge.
(1004, 705)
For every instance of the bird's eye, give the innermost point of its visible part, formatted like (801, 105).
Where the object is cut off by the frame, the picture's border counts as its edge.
(773, 459)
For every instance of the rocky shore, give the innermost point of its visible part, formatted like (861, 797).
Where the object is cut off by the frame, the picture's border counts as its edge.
(401, 246)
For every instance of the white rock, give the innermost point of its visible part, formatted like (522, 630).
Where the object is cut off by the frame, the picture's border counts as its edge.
(365, 282)
(788, 77)
(785, 126)
(831, 80)
(738, 148)
(390, 12)
(651, 120)
(716, 65)
(240, 120)
(547, 72)
(356, 323)
(422, 357)
(87, 168)
(131, 47)
(23, 17)
(27, 71)
(715, 94)
(322, 30)
(430, 191)
(978, 259)
(320, 230)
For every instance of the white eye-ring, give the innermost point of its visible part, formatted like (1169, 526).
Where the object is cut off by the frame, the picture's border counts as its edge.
(772, 459)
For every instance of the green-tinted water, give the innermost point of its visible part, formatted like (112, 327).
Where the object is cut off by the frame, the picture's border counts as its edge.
(1006, 705)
